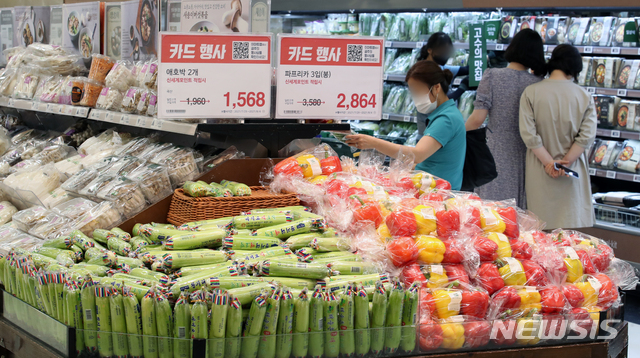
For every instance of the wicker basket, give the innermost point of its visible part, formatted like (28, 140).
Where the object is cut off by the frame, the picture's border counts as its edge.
(185, 209)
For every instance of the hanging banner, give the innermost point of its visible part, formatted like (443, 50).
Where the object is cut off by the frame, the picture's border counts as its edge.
(477, 53)
(329, 77)
(214, 75)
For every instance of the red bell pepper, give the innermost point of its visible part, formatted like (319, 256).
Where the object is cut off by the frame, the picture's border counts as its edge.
(367, 211)
(407, 184)
(443, 184)
(433, 196)
(473, 220)
(601, 257)
(412, 273)
(587, 265)
(535, 273)
(477, 333)
(552, 300)
(506, 299)
(427, 304)
(338, 187)
(289, 167)
(431, 336)
(553, 325)
(521, 250)
(505, 332)
(448, 222)
(489, 278)
(402, 223)
(474, 303)
(561, 239)
(402, 251)
(330, 165)
(573, 295)
(456, 272)
(487, 249)
(510, 218)
(357, 191)
(453, 253)
(581, 318)
(608, 293)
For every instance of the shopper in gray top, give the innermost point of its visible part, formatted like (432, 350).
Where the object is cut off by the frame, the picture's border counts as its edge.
(498, 96)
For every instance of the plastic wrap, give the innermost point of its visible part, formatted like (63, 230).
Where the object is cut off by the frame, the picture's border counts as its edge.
(143, 105)
(77, 89)
(135, 147)
(180, 163)
(69, 166)
(90, 94)
(8, 81)
(51, 90)
(126, 194)
(131, 99)
(100, 66)
(27, 82)
(151, 75)
(65, 90)
(40, 181)
(104, 215)
(154, 181)
(74, 208)
(44, 80)
(26, 219)
(23, 241)
(79, 180)
(51, 226)
(56, 197)
(152, 109)
(120, 76)
(629, 158)
(91, 190)
(110, 99)
(6, 211)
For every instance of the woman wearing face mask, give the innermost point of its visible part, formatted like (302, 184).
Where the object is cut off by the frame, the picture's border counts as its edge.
(442, 149)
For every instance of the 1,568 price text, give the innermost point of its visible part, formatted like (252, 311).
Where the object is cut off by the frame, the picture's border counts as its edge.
(245, 99)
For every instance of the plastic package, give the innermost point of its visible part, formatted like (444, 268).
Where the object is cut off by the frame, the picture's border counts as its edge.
(95, 158)
(56, 197)
(91, 190)
(131, 99)
(180, 162)
(69, 166)
(6, 211)
(74, 208)
(110, 99)
(100, 66)
(143, 105)
(27, 82)
(8, 81)
(50, 227)
(141, 72)
(153, 180)
(126, 194)
(108, 139)
(51, 90)
(77, 89)
(105, 215)
(41, 87)
(79, 180)
(90, 94)
(134, 148)
(65, 91)
(120, 76)
(39, 181)
(26, 219)
(124, 165)
(23, 241)
(152, 109)
(629, 157)
(151, 76)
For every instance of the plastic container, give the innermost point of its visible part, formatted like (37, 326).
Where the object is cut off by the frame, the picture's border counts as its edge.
(126, 194)
(74, 208)
(100, 66)
(91, 93)
(77, 89)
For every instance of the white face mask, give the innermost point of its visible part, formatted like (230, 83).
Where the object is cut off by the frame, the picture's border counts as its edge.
(424, 104)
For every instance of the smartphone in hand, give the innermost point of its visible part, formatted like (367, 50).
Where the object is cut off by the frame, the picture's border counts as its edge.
(568, 172)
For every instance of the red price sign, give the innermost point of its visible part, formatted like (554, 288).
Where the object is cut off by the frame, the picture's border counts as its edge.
(336, 77)
(214, 75)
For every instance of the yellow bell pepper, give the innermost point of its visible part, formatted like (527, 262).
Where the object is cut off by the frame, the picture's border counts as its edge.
(573, 264)
(512, 272)
(491, 221)
(529, 299)
(436, 276)
(423, 181)
(425, 219)
(310, 165)
(430, 249)
(383, 233)
(590, 288)
(528, 330)
(594, 312)
(319, 180)
(447, 302)
(504, 247)
(452, 335)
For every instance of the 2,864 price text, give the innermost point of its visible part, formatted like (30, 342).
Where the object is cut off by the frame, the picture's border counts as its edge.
(357, 101)
(248, 99)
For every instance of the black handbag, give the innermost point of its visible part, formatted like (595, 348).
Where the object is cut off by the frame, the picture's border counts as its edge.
(479, 166)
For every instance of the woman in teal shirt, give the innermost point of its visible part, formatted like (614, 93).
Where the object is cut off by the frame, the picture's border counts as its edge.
(442, 149)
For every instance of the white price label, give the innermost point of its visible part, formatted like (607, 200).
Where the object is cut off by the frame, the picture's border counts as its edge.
(622, 92)
(108, 117)
(124, 120)
(388, 43)
(219, 76)
(457, 81)
(385, 115)
(11, 102)
(385, 77)
(615, 50)
(588, 49)
(419, 44)
(156, 124)
(141, 121)
(84, 112)
(499, 47)
(545, 48)
(611, 174)
(341, 77)
(591, 90)
(592, 172)
(615, 134)
(34, 106)
(636, 178)
(407, 118)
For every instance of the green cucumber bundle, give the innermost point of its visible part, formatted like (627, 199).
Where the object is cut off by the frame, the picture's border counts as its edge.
(331, 336)
(378, 316)
(103, 319)
(189, 240)
(164, 322)
(361, 322)
(394, 319)
(237, 189)
(284, 340)
(233, 330)
(409, 318)
(300, 344)
(258, 221)
(118, 325)
(267, 346)
(253, 326)
(149, 327)
(133, 317)
(182, 325)
(217, 329)
(346, 322)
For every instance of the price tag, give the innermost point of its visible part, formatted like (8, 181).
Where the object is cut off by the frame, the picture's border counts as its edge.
(611, 174)
(499, 47)
(11, 102)
(591, 90)
(592, 172)
(385, 77)
(349, 85)
(108, 116)
(124, 120)
(385, 115)
(615, 134)
(636, 178)
(388, 43)
(588, 49)
(615, 50)
(156, 124)
(141, 122)
(457, 81)
(639, 51)
(419, 44)
(545, 48)
(34, 105)
(407, 118)
(49, 108)
(622, 92)
(222, 75)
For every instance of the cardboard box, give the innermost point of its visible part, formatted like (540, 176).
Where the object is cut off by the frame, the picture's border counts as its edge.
(81, 29)
(31, 24)
(140, 23)
(55, 37)
(113, 30)
(6, 32)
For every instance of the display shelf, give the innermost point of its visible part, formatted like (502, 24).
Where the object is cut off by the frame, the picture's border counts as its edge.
(399, 118)
(394, 77)
(612, 174)
(134, 120)
(53, 108)
(612, 133)
(620, 92)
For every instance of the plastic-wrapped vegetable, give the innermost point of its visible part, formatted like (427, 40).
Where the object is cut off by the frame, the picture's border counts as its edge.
(103, 319)
(118, 324)
(217, 329)
(181, 325)
(149, 327)
(132, 311)
(164, 320)
(253, 326)
(233, 330)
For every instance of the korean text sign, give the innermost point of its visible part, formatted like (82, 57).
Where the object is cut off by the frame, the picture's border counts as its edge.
(214, 75)
(336, 77)
(477, 53)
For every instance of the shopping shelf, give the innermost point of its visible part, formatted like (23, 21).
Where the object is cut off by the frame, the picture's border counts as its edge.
(399, 117)
(612, 174)
(620, 92)
(613, 133)
(51, 108)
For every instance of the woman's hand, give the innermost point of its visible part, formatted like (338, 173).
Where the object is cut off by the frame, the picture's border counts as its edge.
(361, 141)
(552, 171)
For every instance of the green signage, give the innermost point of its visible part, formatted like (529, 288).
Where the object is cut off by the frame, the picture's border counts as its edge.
(491, 28)
(477, 53)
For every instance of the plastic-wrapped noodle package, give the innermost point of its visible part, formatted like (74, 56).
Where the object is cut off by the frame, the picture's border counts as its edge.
(134, 148)
(51, 90)
(27, 82)
(98, 183)
(79, 180)
(8, 81)
(56, 197)
(120, 76)
(65, 90)
(24, 241)
(6, 211)
(110, 99)
(154, 181)
(74, 208)
(26, 219)
(106, 214)
(124, 165)
(108, 139)
(44, 80)
(50, 226)
(69, 166)
(126, 194)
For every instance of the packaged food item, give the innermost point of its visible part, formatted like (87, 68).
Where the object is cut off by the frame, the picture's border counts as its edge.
(134, 148)
(51, 90)
(77, 89)
(601, 30)
(120, 76)
(629, 157)
(74, 208)
(626, 33)
(151, 76)
(51, 226)
(27, 82)
(605, 154)
(604, 70)
(508, 29)
(91, 190)
(126, 194)
(6, 211)
(90, 93)
(141, 74)
(124, 165)
(54, 153)
(68, 167)
(26, 219)
(628, 115)
(110, 99)
(79, 180)
(577, 30)
(104, 215)
(24, 241)
(556, 29)
(153, 180)
(131, 99)
(143, 105)
(40, 181)
(8, 81)
(100, 66)
(152, 110)
(41, 85)
(605, 108)
(65, 90)
(180, 162)
(56, 197)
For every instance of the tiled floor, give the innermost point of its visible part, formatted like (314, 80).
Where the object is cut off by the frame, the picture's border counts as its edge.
(632, 314)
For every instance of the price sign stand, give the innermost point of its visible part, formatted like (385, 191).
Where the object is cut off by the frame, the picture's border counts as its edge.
(329, 77)
(214, 75)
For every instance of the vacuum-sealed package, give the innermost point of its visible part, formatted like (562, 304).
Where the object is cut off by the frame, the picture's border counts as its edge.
(26, 219)
(153, 180)
(74, 208)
